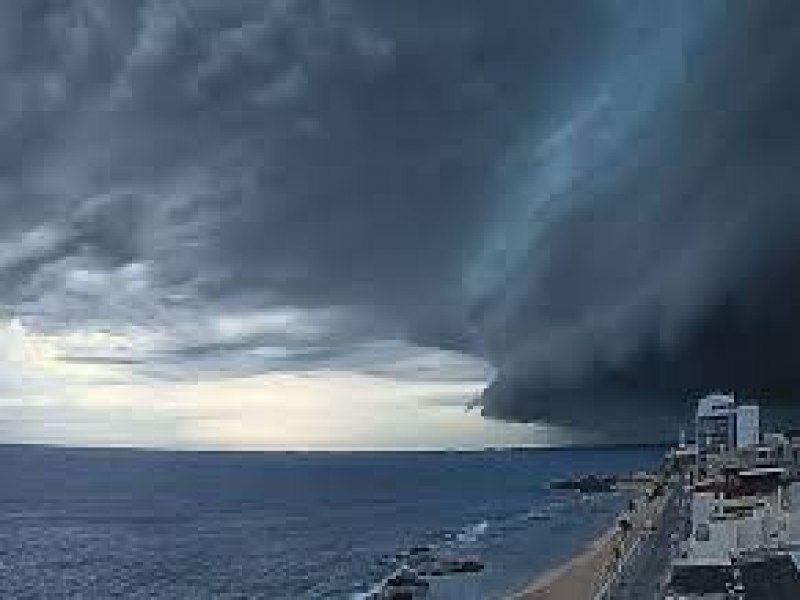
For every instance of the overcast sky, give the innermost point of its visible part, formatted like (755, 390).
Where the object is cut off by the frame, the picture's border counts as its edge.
(336, 224)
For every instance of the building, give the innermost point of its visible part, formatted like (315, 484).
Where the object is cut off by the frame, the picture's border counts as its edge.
(722, 426)
(748, 428)
(743, 531)
(715, 426)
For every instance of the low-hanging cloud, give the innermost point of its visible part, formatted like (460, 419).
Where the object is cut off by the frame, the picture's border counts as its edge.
(596, 198)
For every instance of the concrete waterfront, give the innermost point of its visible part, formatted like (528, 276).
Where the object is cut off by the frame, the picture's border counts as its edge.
(624, 560)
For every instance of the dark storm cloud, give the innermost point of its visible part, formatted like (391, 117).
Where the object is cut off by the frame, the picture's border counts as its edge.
(597, 197)
(674, 271)
(256, 154)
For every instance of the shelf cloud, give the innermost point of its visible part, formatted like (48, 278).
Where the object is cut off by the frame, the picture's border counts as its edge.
(589, 208)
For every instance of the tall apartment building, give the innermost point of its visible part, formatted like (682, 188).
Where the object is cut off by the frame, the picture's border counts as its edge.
(722, 426)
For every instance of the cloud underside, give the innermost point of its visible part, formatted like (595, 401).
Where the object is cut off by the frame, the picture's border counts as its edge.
(590, 206)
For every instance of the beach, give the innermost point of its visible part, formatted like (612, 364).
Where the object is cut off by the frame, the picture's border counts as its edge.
(578, 577)
(586, 573)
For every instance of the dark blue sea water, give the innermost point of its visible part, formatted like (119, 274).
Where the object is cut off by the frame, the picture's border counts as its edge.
(135, 524)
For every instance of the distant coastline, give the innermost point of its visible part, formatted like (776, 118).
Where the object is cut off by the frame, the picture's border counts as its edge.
(290, 451)
(589, 446)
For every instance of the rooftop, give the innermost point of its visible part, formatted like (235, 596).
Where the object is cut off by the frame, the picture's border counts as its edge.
(776, 578)
(715, 405)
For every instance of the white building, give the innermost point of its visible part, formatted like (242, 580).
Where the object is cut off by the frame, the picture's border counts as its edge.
(716, 424)
(748, 428)
(721, 425)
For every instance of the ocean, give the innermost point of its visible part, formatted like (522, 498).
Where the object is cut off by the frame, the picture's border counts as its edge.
(91, 523)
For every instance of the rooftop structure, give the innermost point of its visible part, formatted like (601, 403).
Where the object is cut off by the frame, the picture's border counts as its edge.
(774, 578)
(715, 405)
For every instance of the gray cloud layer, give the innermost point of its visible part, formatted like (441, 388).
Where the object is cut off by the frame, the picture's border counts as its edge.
(595, 196)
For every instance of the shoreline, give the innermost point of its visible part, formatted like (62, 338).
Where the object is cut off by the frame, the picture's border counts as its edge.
(583, 574)
(576, 575)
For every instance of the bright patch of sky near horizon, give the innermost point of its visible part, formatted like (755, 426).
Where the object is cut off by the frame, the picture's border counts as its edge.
(107, 403)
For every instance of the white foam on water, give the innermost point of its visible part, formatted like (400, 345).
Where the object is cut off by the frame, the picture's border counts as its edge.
(472, 532)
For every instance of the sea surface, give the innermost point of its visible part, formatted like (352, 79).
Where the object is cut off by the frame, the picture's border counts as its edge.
(77, 523)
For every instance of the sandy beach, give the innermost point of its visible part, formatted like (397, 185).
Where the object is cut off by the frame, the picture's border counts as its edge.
(582, 576)
(579, 577)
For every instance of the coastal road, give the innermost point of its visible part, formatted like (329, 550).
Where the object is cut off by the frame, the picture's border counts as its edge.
(644, 573)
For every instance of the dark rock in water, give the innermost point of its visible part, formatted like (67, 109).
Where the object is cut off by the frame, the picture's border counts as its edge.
(590, 484)
(406, 584)
(466, 565)
(439, 567)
